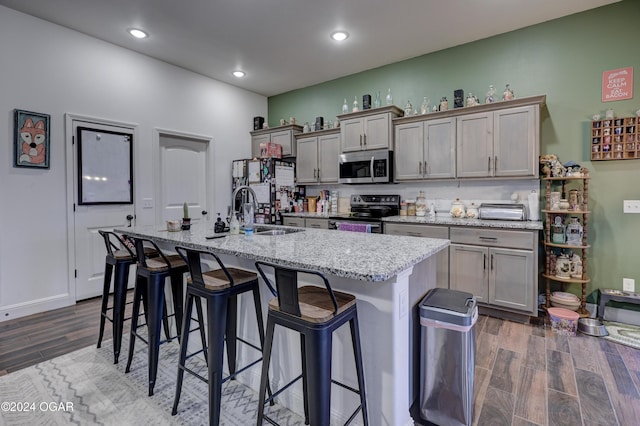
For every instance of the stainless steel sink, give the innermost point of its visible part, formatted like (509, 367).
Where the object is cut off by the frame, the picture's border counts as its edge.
(259, 230)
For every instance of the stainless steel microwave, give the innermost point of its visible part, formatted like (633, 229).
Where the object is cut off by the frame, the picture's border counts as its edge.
(374, 166)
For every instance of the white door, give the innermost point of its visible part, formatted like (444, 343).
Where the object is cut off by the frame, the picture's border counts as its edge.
(88, 251)
(183, 170)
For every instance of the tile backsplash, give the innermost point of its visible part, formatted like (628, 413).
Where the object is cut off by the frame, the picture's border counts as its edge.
(442, 193)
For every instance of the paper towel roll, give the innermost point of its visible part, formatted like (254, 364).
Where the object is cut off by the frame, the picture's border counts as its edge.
(534, 206)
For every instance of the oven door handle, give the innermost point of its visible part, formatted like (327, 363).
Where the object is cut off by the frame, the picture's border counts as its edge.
(371, 167)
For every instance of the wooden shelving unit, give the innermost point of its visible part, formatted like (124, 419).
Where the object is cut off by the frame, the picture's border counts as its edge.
(615, 139)
(582, 182)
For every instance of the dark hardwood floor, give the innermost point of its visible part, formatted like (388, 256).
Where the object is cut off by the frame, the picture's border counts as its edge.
(524, 375)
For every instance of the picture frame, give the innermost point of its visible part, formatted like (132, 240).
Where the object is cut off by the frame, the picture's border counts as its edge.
(31, 139)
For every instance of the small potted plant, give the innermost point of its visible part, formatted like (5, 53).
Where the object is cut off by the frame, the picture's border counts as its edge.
(186, 220)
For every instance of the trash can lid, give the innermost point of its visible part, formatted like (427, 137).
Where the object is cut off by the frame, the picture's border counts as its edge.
(452, 306)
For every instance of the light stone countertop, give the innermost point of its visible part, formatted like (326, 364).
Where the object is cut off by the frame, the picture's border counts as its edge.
(353, 255)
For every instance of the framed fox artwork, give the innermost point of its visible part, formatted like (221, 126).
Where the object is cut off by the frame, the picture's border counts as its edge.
(31, 143)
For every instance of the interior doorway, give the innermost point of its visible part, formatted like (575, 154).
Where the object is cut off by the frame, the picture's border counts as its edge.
(183, 170)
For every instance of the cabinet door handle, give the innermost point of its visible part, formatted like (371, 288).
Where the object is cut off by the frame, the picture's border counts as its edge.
(488, 164)
(414, 234)
(426, 170)
(360, 141)
(420, 168)
(484, 261)
(495, 163)
(318, 174)
(492, 262)
(489, 238)
(365, 139)
(314, 173)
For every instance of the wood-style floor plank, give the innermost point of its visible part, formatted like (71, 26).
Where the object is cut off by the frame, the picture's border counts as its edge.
(622, 390)
(564, 410)
(536, 354)
(486, 350)
(560, 373)
(594, 399)
(582, 350)
(514, 336)
(531, 399)
(497, 409)
(493, 325)
(480, 385)
(506, 371)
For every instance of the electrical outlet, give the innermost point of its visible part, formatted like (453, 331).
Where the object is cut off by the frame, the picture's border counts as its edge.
(629, 284)
(631, 206)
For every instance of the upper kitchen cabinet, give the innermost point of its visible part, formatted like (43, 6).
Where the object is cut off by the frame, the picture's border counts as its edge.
(283, 135)
(425, 149)
(502, 142)
(368, 129)
(317, 159)
(501, 139)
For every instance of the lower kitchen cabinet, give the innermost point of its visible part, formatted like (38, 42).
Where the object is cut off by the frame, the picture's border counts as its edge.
(318, 223)
(497, 266)
(426, 231)
(309, 222)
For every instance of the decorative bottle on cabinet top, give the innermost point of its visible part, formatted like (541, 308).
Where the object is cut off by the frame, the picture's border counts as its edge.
(355, 105)
(345, 107)
(491, 95)
(376, 102)
(421, 204)
(389, 97)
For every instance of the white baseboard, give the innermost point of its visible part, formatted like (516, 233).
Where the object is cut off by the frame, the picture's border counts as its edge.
(19, 310)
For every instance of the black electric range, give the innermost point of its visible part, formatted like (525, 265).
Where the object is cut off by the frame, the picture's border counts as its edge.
(369, 210)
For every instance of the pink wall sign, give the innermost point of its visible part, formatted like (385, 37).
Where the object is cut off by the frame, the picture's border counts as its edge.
(617, 84)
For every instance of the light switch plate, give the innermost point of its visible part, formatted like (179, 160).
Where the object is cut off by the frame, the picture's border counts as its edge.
(629, 284)
(631, 206)
(147, 203)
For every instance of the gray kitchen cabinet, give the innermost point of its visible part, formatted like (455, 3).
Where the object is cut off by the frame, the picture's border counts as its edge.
(426, 231)
(501, 143)
(498, 140)
(293, 221)
(497, 266)
(317, 157)
(425, 149)
(283, 135)
(368, 129)
(315, 222)
(309, 222)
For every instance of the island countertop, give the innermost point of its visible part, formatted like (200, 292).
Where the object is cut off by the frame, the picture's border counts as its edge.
(353, 255)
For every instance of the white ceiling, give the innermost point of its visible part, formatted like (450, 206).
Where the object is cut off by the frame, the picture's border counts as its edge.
(284, 44)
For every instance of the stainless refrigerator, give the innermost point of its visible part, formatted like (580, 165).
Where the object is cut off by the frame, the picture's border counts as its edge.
(273, 181)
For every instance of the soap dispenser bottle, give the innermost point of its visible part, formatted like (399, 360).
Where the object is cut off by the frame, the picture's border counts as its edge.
(234, 225)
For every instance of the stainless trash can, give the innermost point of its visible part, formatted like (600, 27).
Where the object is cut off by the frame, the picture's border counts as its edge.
(447, 345)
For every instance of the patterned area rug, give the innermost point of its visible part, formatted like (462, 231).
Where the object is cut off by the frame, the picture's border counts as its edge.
(85, 387)
(625, 334)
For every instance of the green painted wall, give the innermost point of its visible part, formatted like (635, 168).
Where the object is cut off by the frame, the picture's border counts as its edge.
(563, 59)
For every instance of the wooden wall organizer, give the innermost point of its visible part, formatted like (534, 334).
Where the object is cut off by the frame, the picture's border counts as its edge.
(615, 139)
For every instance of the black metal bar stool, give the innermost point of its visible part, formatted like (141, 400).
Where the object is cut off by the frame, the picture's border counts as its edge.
(315, 313)
(149, 289)
(220, 288)
(119, 258)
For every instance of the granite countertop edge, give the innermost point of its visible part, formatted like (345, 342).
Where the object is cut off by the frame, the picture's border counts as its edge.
(352, 255)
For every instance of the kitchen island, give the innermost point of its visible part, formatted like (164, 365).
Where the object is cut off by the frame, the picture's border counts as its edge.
(389, 275)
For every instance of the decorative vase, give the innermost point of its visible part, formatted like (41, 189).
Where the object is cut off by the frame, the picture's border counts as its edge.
(457, 209)
(557, 231)
(563, 266)
(574, 232)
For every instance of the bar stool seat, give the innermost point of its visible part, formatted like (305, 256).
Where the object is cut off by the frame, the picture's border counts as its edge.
(149, 289)
(315, 312)
(219, 288)
(118, 259)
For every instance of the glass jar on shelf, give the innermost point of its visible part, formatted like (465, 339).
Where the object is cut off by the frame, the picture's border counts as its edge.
(424, 108)
(376, 101)
(507, 95)
(491, 95)
(558, 235)
(574, 232)
(389, 99)
(408, 109)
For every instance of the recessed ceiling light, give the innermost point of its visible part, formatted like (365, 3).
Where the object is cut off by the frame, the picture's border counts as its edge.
(340, 35)
(239, 74)
(138, 33)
